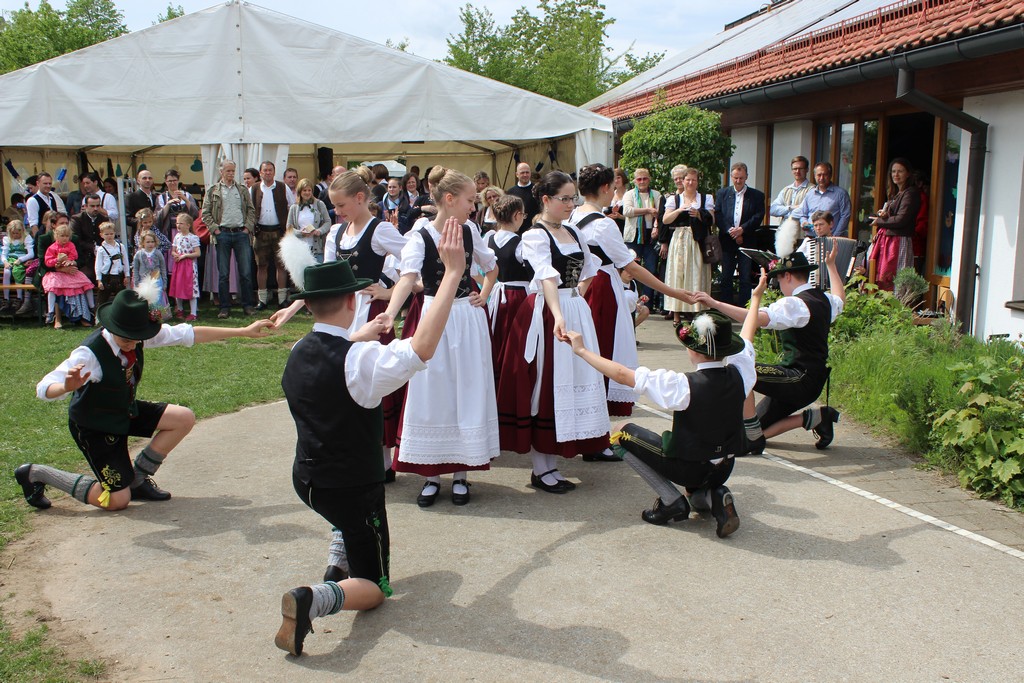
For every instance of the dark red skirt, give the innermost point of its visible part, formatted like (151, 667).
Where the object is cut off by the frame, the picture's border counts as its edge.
(502, 327)
(518, 430)
(605, 309)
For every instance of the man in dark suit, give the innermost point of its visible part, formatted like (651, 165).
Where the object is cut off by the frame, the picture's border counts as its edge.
(142, 198)
(739, 211)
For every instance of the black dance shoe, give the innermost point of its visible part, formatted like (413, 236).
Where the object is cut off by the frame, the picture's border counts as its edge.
(335, 574)
(824, 431)
(389, 476)
(295, 622)
(537, 482)
(460, 498)
(724, 511)
(148, 490)
(660, 514)
(425, 500)
(261, 306)
(601, 457)
(756, 446)
(33, 490)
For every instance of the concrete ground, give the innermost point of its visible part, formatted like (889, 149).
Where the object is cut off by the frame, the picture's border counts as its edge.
(822, 582)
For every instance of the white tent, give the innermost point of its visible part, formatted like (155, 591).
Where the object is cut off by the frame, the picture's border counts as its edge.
(243, 82)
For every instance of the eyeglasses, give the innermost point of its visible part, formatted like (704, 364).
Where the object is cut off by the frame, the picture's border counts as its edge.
(567, 199)
(799, 168)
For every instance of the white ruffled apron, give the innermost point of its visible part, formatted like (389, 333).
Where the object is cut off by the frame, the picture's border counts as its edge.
(581, 408)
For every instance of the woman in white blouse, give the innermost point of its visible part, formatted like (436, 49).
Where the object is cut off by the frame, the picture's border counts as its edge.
(309, 219)
(686, 218)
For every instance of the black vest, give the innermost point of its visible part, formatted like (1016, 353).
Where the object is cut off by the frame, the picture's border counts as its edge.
(712, 426)
(509, 267)
(364, 260)
(807, 347)
(569, 266)
(432, 269)
(339, 441)
(108, 405)
(594, 249)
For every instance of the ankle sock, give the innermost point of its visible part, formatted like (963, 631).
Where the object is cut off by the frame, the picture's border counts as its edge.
(436, 481)
(282, 294)
(76, 485)
(146, 464)
(336, 555)
(459, 489)
(812, 418)
(328, 598)
(262, 294)
(752, 426)
(387, 457)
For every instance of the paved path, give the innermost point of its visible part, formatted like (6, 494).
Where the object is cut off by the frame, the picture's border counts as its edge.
(819, 583)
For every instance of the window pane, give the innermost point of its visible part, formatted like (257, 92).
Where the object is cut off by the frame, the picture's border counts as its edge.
(824, 149)
(868, 162)
(951, 174)
(845, 169)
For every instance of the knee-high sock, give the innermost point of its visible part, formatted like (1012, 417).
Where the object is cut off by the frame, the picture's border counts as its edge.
(77, 485)
(336, 555)
(665, 489)
(552, 461)
(387, 457)
(328, 598)
(51, 302)
(752, 426)
(812, 417)
(542, 465)
(193, 305)
(146, 464)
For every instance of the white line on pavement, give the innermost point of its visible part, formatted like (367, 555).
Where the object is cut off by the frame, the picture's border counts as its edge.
(934, 521)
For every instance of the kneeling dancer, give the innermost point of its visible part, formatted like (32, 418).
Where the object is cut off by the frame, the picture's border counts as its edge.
(103, 375)
(707, 425)
(339, 466)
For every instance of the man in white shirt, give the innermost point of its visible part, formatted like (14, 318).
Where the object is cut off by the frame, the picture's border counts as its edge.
(90, 184)
(291, 181)
(792, 196)
(270, 198)
(43, 200)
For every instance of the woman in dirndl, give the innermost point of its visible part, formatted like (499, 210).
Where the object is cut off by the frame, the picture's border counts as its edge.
(449, 422)
(894, 244)
(550, 402)
(685, 218)
(606, 295)
(514, 273)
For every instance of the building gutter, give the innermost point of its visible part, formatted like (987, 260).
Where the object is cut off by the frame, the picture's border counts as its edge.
(969, 269)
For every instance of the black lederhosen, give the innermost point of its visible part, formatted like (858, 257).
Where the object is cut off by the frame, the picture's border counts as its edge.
(786, 390)
(359, 513)
(107, 454)
(647, 447)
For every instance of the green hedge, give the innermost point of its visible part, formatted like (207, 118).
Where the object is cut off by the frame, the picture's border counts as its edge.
(956, 401)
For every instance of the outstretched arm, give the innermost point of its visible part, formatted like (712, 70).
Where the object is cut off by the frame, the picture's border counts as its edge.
(609, 368)
(638, 272)
(202, 335)
(737, 313)
(752, 322)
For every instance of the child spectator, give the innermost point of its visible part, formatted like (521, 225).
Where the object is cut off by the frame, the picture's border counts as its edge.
(185, 279)
(111, 265)
(71, 284)
(149, 265)
(16, 256)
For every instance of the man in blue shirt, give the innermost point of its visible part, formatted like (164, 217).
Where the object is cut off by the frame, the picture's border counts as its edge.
(826, 197)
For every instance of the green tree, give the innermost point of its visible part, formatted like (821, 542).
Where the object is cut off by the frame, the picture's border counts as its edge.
(678, 135)
(29, 36)
(561, 52)
(172, 12)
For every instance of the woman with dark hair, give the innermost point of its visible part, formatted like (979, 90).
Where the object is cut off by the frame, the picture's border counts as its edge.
(172, 201)
(619, 188)
(395, 206)
(606, 295)
(685, 218)
(550, 403)
(894, 244)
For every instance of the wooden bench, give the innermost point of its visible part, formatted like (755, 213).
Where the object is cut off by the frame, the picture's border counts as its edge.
(28, 289)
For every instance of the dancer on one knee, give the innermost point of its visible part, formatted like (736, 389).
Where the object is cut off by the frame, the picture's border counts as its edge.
(802, 317)
(334, 382)
(103, 375)
(707, 425)
(605, 295)
(449, 421)
(551, 403)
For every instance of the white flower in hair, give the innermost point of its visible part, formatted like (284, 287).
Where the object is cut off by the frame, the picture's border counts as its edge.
(296, 256)
(786, 237)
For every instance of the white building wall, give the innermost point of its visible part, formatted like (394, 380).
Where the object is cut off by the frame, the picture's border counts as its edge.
(790, 139)
(752, 149)
(1001, 240)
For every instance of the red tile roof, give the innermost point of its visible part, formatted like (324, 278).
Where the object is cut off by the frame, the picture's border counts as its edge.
(894, 28)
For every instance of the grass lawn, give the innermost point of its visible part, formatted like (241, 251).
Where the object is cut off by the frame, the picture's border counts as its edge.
(210, 379)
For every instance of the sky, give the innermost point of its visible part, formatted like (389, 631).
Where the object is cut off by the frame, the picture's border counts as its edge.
(427, 23)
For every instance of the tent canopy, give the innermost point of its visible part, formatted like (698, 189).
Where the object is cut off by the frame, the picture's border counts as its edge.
(239, 74)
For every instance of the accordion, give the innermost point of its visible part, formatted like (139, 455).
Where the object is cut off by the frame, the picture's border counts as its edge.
(818, 248)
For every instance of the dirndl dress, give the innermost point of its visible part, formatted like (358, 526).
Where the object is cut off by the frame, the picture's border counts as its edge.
(684, 263)
(509, 292)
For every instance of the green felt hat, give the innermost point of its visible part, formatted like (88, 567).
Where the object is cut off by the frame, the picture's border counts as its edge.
(795, 262)
(330, 279)
(128, 315)
(710, 334)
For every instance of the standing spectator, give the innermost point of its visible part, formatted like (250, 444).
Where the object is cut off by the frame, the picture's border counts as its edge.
(395, 206)
(309, 219)
(291, 184)
(86, 227)
(172, 202)
(380, 181)
(685, 220)
(825, 197)
(74, 200)
(90, 184)
(792, 196)
(271, 203)
(15, 211)
(229, 214)
(619, 189)
(640, 207)
(483, 181)
(894, 247)
(524, 190)
(250, 177)
(739, 211)
(41, 201)
(411, 187)
(110, 187)
(143, 198)
(112, 265)
(485, 217)
(325, 196)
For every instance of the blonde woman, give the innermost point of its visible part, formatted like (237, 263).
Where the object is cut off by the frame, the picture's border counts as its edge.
(309, 219)
(485, 208)
(686, 218)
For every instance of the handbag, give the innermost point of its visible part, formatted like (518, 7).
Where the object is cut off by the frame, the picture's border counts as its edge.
(711, 250)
